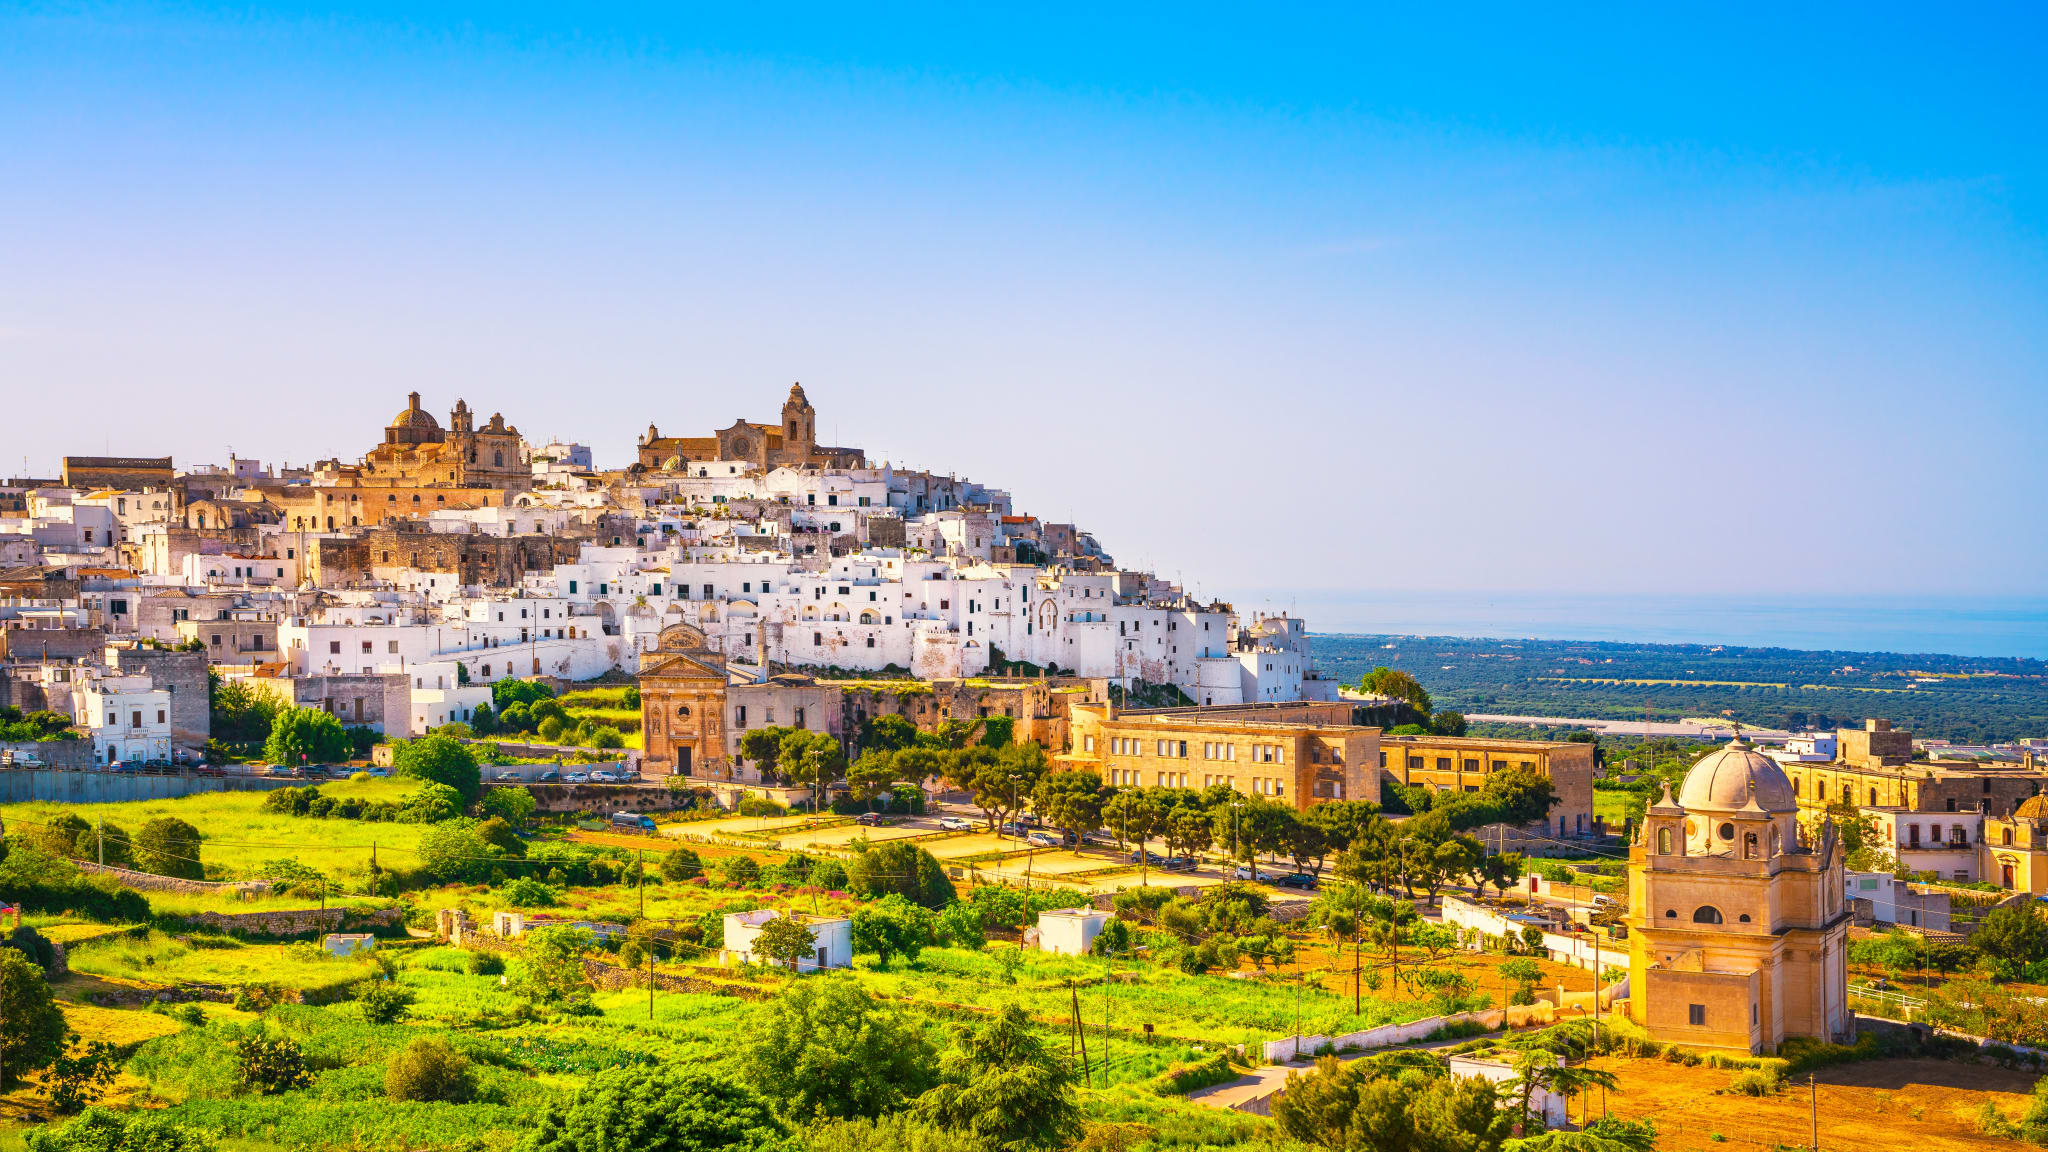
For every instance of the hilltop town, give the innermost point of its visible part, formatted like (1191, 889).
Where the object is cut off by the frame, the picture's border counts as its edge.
(349, 805)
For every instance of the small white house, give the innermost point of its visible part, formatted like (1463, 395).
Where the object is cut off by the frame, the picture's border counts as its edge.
(1070, 931)
(1545, 1103)
(833, 936)
(347, 943)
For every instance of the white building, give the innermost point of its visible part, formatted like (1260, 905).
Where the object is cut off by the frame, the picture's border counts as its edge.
(1070, 931)
(128, 717)
(833, 936)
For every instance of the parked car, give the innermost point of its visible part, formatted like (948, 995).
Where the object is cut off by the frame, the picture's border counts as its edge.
(1243, 872)
(1143, 857)
(1179, 864)
(576, 778)
(1045, 839)
(1297, 880)
(550, 775)
(633, 821)
(869, 819)
(603, 777)
(956, 823)
(508, 774)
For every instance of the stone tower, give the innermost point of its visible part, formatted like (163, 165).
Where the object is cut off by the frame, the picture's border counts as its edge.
(799, 422)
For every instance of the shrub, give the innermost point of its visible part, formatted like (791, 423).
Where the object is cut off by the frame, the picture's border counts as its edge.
(34, 1035)
(531, 893)
(1757, 1082)
(81, 1075)
(740, 870)
(429, 1069)
(168, 846)
(269, 1066)
(657, 1110)
(442, 759)
(484, 964)
(681, 864)
(382, 1002)
(99, 1130)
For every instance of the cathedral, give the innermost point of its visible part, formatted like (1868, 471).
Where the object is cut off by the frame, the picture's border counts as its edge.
(1738, 919)
(416, 452)
(793, 443)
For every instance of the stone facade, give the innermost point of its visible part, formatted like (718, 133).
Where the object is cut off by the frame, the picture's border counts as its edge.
(129, 472)
(1738, 922)
(1460, 764)
(1294, 754)
(381, 701)
(682, 708)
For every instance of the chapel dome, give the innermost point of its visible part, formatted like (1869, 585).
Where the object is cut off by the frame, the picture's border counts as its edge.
(1721, 782)
(2032, 808)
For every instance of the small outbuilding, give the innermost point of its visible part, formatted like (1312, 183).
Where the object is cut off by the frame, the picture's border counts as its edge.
(1545, 1103)
(832, 935)
(1070, 931)
(347, 943)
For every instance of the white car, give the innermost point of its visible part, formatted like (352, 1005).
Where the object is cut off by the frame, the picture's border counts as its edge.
(603, 777)
(956, 823)
(576, 778)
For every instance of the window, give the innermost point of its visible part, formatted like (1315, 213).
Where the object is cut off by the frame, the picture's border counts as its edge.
(739, 716)
(1696, 1015)
(334, 647)
(1663, 841)
(683, 710)
(1706, 914)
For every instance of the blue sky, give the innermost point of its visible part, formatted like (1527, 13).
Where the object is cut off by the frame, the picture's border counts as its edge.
(1285, 302)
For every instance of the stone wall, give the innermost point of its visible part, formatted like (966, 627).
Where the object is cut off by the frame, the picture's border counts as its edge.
(73, 754)
(52, 643)
(300, 921)
(605, 799)
(151, 882)
(79, 786)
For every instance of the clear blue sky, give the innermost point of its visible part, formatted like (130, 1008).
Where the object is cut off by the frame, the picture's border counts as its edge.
(1277, 300)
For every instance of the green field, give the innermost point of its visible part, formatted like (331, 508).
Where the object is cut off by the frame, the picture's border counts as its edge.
(237, 836)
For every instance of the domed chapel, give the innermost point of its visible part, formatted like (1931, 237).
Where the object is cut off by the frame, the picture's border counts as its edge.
(1738, 919)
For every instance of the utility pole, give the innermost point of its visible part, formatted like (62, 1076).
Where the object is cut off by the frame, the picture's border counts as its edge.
(1108, 978)
(1813, 1112)
(650, 976)
(643, 885)
(1080, 1030)
(100, 837)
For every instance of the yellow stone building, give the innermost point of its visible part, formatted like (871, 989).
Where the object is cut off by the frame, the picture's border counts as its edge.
(2017, 847)
(1738, 921)
(1462, 764)
(1295, 754)
(682, 707)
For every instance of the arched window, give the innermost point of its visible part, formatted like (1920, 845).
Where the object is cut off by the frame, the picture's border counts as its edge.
(1671, 913)
(1706, 914)
(498, 459)
(1663, 841)
(1749, 846)
(1776, 845)
(682, 710)
(1744, 918)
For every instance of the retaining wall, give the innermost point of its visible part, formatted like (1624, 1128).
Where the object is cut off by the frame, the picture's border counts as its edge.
(151, 882)
(299, 921)
(69, 786)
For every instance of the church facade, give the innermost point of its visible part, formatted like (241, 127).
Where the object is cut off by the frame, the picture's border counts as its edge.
(792, 443)
(1738, 918)
(682, 708)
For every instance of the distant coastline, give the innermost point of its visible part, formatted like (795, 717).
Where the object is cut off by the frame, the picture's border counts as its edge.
(1957, 626)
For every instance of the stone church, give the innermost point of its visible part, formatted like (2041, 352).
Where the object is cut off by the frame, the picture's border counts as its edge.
(682, 707)
(793, 443)
(1738, 918)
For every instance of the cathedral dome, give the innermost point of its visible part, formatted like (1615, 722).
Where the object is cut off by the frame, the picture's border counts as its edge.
(1721, 782)
(415, 416)
(2032, 808)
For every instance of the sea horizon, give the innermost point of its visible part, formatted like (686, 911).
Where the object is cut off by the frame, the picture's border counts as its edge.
(1976, 626)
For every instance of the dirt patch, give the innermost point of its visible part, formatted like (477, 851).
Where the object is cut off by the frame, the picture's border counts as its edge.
(1925, 1105)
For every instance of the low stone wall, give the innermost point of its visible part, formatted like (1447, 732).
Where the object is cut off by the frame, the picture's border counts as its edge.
(605, 799)
(300, 921)
(151, 882)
